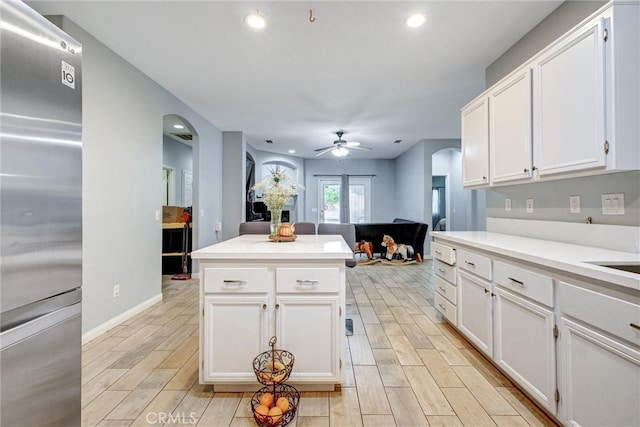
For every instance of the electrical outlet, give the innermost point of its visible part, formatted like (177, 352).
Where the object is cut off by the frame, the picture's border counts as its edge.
(507, 205)
(574, 204)
(116, 291)
(613, 204)
(218, 226)
(529, 205)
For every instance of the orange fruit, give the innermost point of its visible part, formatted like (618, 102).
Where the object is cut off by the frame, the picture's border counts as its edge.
(266, 399)
(275, 414)
(261, 412)
(283, 404)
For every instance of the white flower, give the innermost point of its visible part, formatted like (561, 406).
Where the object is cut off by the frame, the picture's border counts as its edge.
(277, 188)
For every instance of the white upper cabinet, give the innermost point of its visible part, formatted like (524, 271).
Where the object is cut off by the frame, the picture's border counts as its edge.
(571, 110)
(475, 143)
(510, 128)
(569, 113)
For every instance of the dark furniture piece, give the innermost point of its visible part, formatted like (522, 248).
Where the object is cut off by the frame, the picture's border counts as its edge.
(172, 241)
(401, 230)
(348, 233)
(256, 227)
(305, 228)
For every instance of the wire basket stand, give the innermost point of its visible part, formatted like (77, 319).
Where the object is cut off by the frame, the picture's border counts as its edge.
(272, 369)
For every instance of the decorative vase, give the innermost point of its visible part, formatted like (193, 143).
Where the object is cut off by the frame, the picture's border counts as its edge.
(275, 222)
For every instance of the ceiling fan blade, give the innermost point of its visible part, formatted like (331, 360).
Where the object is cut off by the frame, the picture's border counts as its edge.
(324, 148)
(359, 147)
(322, 151)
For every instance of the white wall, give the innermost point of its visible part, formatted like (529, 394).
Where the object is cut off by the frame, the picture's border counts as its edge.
(233, 191)
(448, 162)
(122, 162)
(178, 156)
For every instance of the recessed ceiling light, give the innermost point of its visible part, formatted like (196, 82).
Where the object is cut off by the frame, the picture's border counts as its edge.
(255, 20)
(416, 20)
(292, 151)
(178, 126)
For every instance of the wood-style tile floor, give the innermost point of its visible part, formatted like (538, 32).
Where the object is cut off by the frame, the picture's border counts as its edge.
(405, 366)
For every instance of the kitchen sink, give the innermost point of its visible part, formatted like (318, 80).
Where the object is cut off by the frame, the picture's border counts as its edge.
(632, 268)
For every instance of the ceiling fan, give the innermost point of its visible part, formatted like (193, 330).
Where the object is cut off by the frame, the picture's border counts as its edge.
(340, 147)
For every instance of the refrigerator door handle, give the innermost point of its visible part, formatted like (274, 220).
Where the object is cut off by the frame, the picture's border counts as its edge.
(25, 330)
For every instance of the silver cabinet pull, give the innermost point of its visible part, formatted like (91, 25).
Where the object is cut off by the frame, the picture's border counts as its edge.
(634, 326)
(519, 282)
(526, 170)
(486, 291)
(442, 270)
(469, 263)
(307, 282)
(438, 252)
(442, 289)
(442, 307)
(264, 306)
(233, 282)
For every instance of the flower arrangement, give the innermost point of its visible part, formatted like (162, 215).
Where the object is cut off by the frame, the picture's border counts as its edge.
(276, 189)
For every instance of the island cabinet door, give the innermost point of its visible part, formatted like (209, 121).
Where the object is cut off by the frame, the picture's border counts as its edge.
(307, 326)
(236, 330)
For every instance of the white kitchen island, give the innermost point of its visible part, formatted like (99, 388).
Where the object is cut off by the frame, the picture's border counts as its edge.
(252, 289)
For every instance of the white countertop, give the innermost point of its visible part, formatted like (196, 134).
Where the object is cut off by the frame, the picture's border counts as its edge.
(566, 257)
(258, 246)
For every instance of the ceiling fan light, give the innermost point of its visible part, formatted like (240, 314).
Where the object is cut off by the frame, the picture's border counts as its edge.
(416, 20)
(255, 20)
(340, 152)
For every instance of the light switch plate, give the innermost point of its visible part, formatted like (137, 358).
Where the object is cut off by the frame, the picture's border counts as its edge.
(613, 204)
(574, 204)
(529, 205)
(507, 205)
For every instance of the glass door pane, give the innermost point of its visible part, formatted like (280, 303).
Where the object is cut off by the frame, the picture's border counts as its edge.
(359, 206)
(329, 203)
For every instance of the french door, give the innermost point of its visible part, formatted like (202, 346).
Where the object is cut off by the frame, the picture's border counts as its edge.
(334, 206)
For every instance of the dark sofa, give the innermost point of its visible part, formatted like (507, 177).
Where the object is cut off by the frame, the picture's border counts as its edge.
(402, 230)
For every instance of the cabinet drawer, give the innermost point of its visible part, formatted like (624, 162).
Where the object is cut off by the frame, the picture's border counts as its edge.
(443, 253)
(537, 287)
(474, 263)
(309, 280)
(447, 272)
(609, 314)
(236, 280)
(445, 307)
(446, 289)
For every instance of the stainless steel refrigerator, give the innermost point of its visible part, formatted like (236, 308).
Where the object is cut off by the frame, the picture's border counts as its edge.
(40, 220)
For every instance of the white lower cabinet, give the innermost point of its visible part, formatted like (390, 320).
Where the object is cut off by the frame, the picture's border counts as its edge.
(236, 330)
(244, 307)
(601, 378)
(572, 345)
(474, 311)
(524, 345)
(599, 358)
(314, 343)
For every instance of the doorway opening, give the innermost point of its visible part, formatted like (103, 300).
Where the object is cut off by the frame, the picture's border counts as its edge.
(179, 224)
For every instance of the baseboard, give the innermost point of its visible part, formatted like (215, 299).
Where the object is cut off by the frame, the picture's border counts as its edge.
(112, 323)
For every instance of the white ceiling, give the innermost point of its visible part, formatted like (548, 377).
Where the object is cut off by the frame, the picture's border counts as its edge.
(357, 68)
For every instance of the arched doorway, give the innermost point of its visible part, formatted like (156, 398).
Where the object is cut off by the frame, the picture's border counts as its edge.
(450, 201)
(178, 196)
